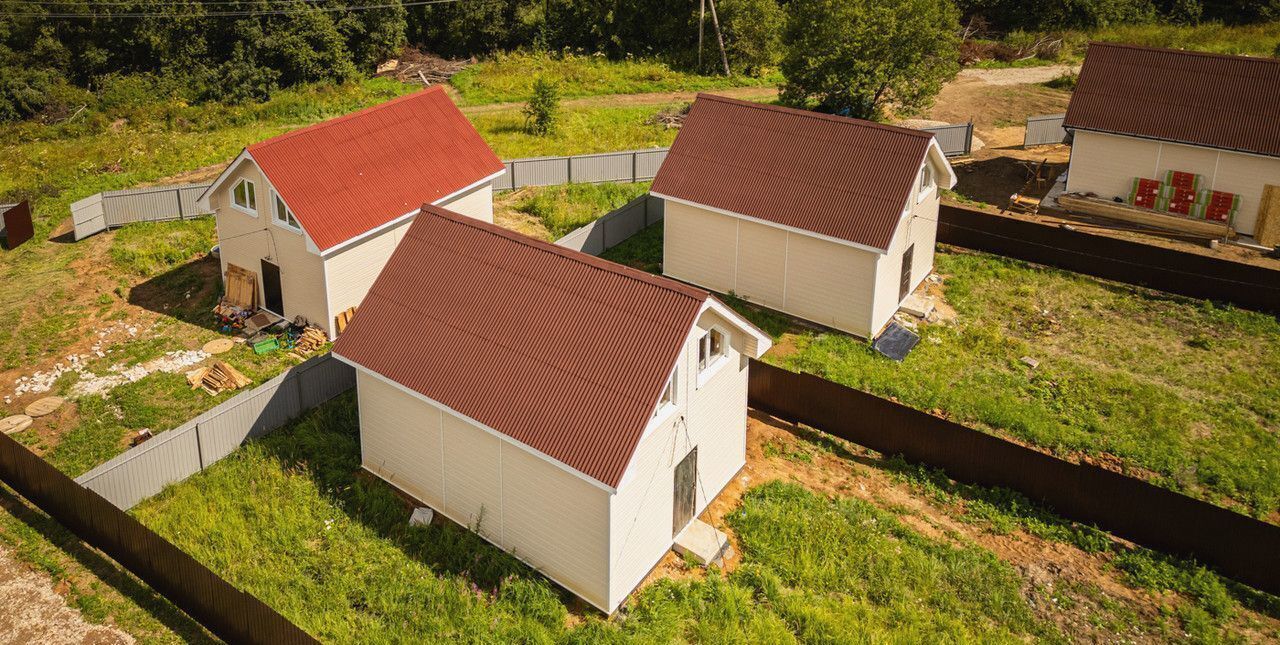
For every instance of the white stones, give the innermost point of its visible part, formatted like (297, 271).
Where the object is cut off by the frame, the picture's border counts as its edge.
(1030, 362)
(421, 516)
(917, 305)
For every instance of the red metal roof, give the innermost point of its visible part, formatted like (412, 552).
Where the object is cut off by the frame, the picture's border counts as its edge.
(559, 350)
(1189, 97)
(349, 175)
(841, 177)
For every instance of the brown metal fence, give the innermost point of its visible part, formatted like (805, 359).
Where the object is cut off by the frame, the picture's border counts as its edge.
(1187, 274)
(1237, 545)
(229, 613)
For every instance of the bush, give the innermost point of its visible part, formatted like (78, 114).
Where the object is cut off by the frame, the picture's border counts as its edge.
(543, 109)
(752, 36)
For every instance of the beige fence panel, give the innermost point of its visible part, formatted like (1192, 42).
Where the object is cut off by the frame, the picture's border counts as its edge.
(1044, 130)
(177, 454)
(616, 227)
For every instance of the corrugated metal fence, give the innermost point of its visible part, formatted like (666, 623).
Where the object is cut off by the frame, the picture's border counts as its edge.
(1237, 545)
(231, 614)
(1044, 130)
(955, 140)
(630, 165)
(613, 229)
(1186, 274)
(184, 451)
(113, 209)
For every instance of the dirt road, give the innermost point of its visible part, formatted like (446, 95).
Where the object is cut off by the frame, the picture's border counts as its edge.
(35, 613)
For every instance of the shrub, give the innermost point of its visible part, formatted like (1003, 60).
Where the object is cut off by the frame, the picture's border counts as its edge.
(543, 109)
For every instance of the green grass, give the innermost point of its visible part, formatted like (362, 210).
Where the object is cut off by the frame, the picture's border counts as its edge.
(1260, 39)
(1184, 393)
(333, 552)
(580, 131)
(151, 248)
(509, 77)
(561, 209)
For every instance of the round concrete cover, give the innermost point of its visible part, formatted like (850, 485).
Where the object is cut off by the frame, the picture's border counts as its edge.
(218, 346)
(44, 406)
(15, 423)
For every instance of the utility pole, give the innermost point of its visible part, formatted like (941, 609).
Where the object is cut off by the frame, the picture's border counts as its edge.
(724, 58)
(702, 19)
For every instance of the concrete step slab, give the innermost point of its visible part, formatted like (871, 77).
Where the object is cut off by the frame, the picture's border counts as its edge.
(703, 542)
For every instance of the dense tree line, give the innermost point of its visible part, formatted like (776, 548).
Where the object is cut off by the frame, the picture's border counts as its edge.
(138, 50)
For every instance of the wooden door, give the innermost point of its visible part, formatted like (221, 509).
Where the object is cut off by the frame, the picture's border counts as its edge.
(272, 296)
(904, 280)
(686, 492)
(1267, 229)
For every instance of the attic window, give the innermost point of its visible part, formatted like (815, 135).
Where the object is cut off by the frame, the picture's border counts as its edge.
(668, 398)
(926, 179)
(244, 196)
(284, 216)
(711, 354)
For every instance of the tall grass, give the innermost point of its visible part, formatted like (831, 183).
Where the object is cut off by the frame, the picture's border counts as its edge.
(509, 77)
(561, 209)
(332, 550)
(149, 248)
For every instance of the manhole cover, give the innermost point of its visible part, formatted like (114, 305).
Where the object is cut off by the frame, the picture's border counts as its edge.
(15, 423)
(44, 406)
(219, 346)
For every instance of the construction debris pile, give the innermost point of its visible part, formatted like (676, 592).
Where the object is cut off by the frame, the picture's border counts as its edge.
(417, 66)
(672, 117)
(217, 378)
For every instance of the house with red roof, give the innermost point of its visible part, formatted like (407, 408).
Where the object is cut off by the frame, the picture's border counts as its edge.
(1184, 134)
(575, 412)
(827, 218)
(313, 215)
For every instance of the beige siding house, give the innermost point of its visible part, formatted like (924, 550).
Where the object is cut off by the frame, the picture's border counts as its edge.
(1223, 126)
(751, 211)
(314, 216)
(573, 412)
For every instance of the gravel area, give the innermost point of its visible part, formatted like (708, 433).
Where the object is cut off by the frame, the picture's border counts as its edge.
(35, 613)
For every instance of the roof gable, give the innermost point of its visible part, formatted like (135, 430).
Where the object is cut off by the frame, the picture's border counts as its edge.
(1201, 99)
(839, 177)
(561, 351)
(347, 176)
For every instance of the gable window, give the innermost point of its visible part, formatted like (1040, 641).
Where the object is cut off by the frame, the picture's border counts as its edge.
(926, 180)
(711, 354)
(667, 401)
(283, 215)
(244, 196)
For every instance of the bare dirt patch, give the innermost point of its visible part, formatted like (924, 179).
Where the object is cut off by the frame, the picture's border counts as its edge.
(35, 612)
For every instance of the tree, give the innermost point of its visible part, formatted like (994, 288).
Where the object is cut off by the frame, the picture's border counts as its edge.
(857, 57)
(543, 109)
(752, 34)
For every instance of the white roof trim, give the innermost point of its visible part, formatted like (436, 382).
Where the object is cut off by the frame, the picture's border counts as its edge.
(946, 163)
(503, 436)
(793, 229)
(203, 199)
(382, 227)
(763, 340)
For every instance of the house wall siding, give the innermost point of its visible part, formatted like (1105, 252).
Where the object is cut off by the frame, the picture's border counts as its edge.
(546, 516)
(245, 240)
(918, 228)
(713, 418)
(352, 271)
(1106, 165)
(826, 282)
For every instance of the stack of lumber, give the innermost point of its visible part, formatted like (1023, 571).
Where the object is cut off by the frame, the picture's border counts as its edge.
(1088, 205)
(312, 338)
(343, 319)
(217, 378)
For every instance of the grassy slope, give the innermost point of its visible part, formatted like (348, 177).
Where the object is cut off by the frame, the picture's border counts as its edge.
(333, 552)
(1184, 393)
(561, 209)
(505, 78)
(1248, 40)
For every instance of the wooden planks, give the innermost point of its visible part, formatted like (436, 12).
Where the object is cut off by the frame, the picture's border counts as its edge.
(242, 287)
(1127, 213)
(1267, 229)
(217, 378)
(343, 319)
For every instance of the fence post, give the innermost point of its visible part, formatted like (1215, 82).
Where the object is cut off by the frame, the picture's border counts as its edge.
(569, 168)
(177, 193)
(635, 176)
(199, 448)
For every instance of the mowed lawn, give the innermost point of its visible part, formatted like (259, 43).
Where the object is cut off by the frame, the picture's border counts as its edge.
(292, 520)
(1180, 392)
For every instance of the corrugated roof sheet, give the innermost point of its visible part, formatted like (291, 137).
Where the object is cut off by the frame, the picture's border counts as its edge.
(1189, 97)
(559, 350)
(346, 176)
(841, 177)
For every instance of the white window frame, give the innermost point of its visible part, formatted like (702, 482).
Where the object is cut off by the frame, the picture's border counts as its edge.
(249, 209)
(714, 363)
(926, 189)
(666, 408)
(277, 200)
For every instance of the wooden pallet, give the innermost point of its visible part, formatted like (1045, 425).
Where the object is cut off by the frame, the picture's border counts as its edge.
(1126, 213)
(242, 287)
(217, 378)
(343, 319)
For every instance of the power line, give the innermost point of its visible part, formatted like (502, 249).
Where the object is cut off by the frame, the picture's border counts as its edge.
(227, 14)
